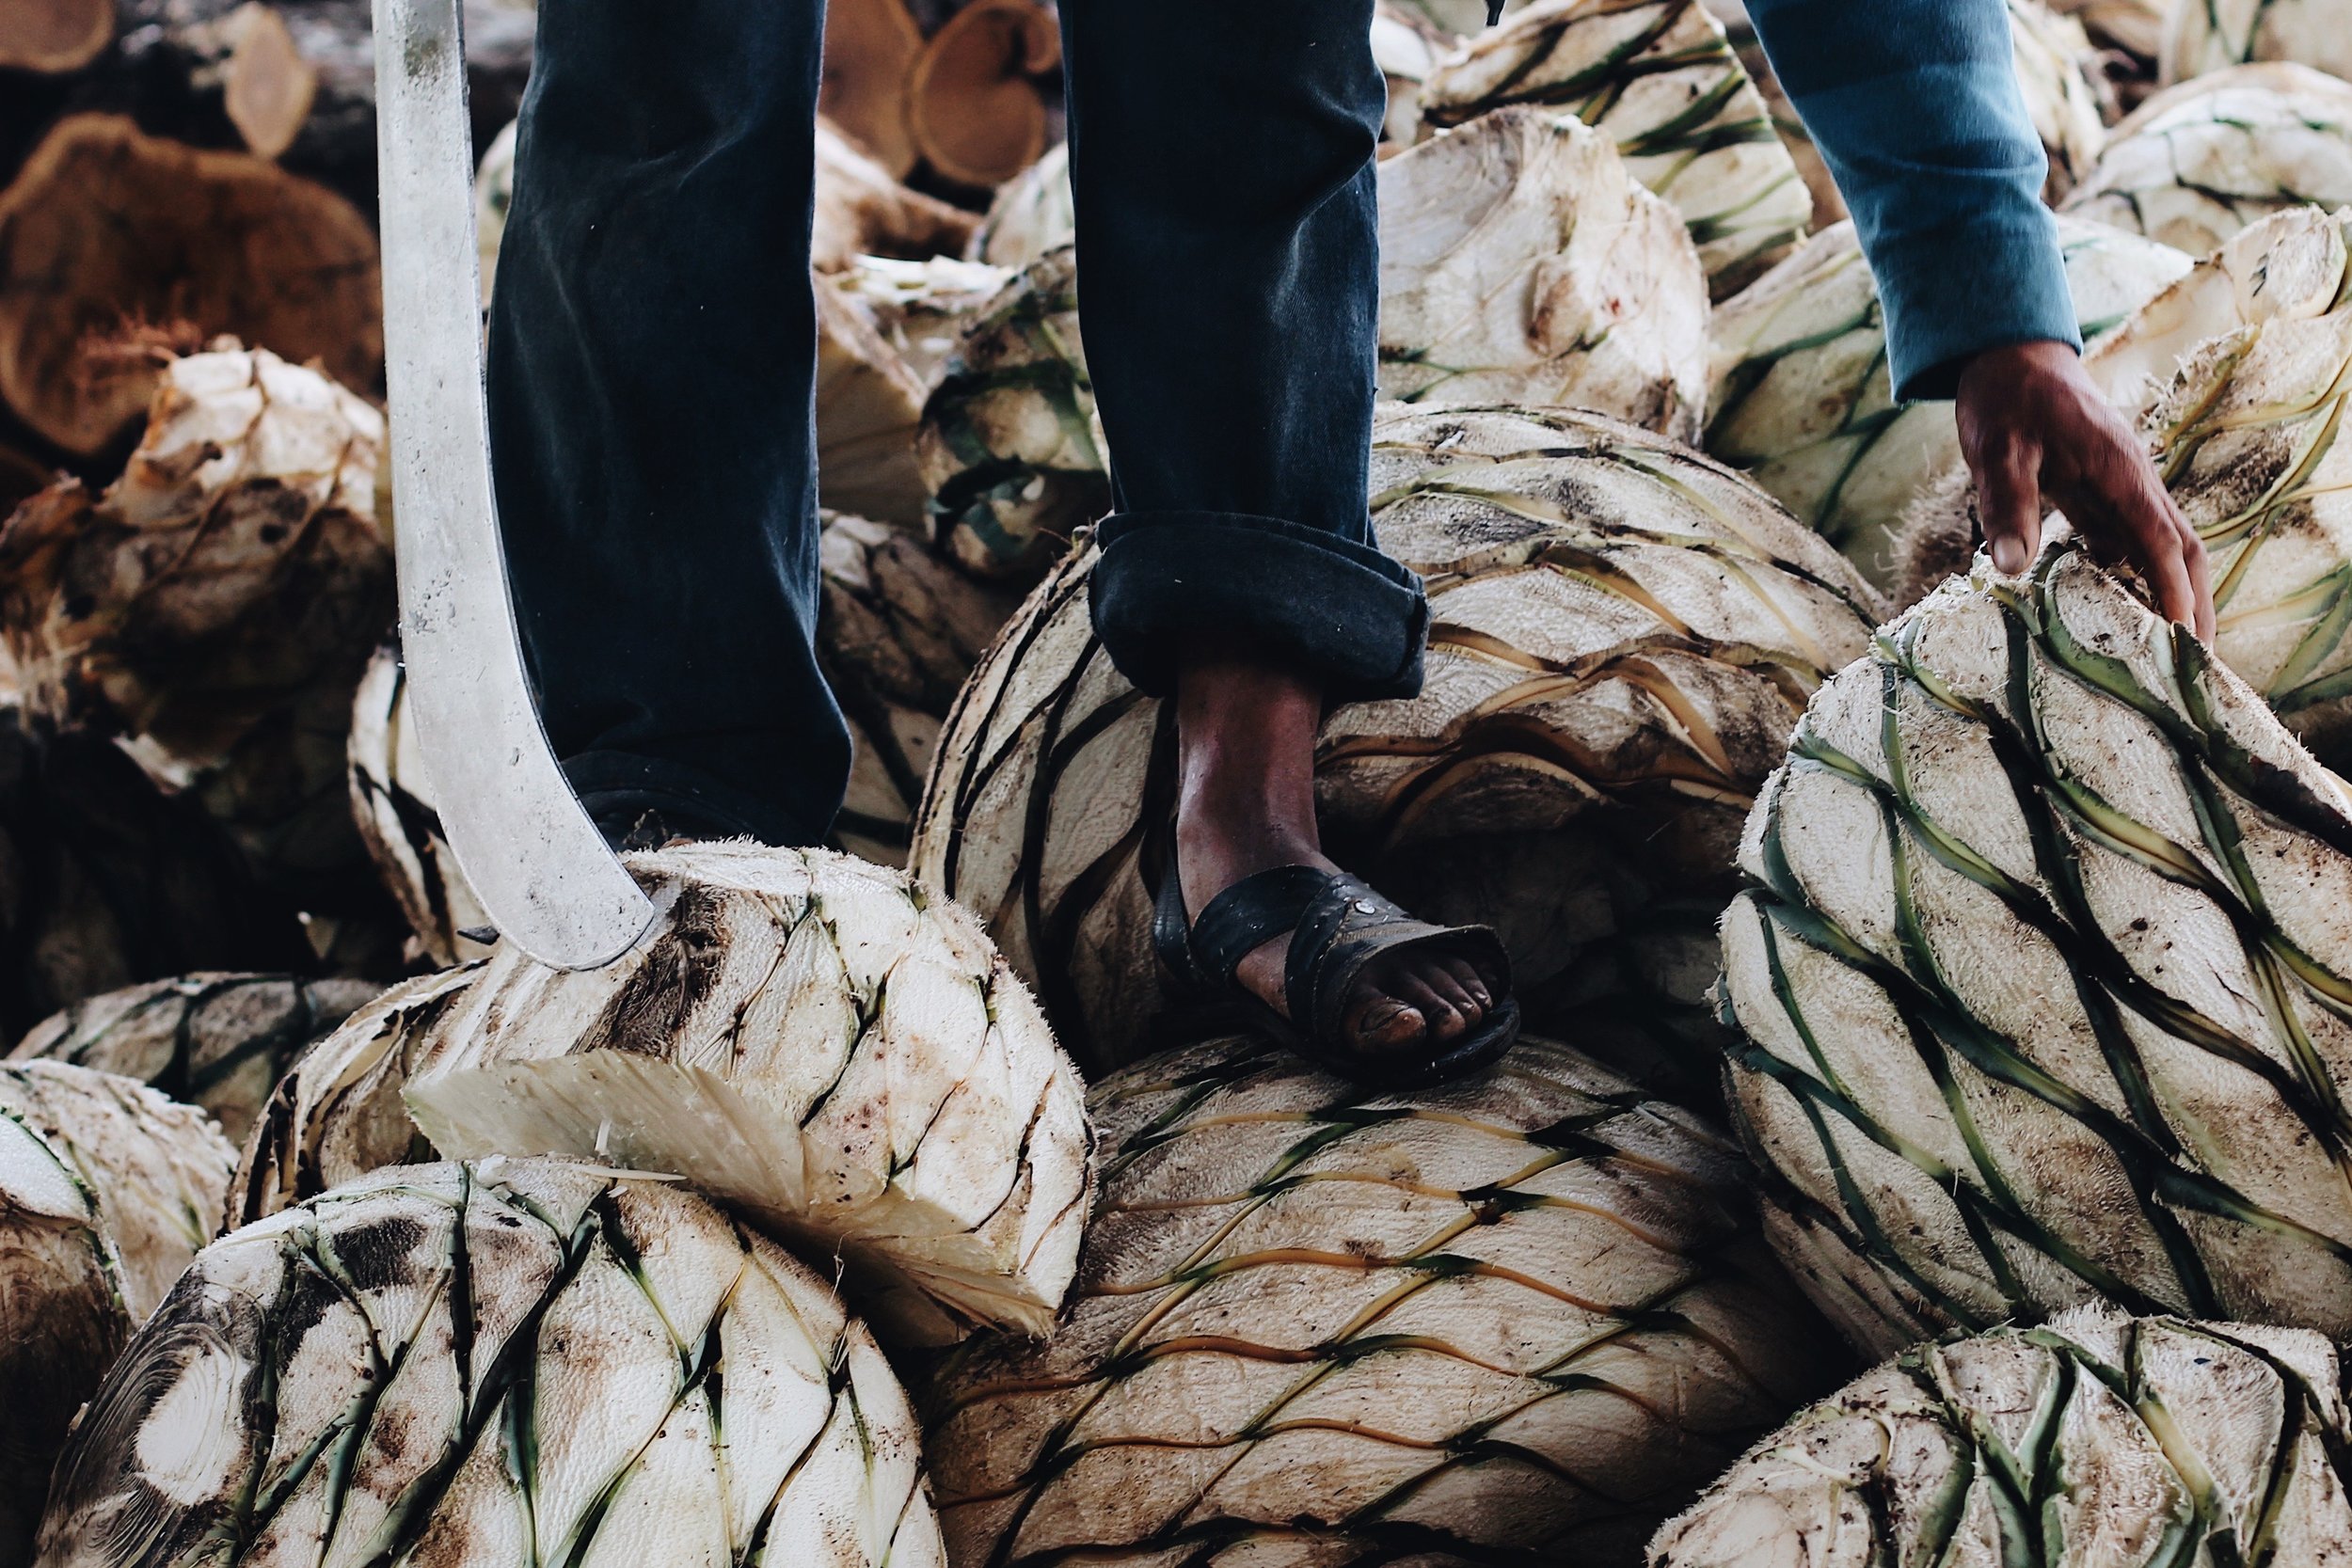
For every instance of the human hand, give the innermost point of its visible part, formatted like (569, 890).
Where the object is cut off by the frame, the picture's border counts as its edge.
(2032, 424)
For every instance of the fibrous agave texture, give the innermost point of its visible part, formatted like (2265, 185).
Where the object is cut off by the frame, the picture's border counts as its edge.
(2248, 437)
(217, 1041)
(475, 1367)
(2196, 162)
(2205, 36)
(2134, 26)
(107, 1189)
(803, 1034)
(337, 1114)
(2291, 264)
(1801, 395)
(2044, 977)
(219, 599)
(2096, 1441)
(393, 803)
(922, 307)
(2060, 73)
(1034, 214)
(1513, 1319)
(897, 630)
(1010, 445)
(1659, 79)
(1622, 635)
(1519, 264)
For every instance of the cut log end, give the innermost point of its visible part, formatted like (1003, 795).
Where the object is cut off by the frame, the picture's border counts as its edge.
(870, 49)
(972, 108)
(267, 86)
(108, 229)
(51, 37)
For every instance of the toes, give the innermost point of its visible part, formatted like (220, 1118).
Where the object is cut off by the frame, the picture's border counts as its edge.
(1448, 984)
(1385, 1023)
(1445, 1019)
(1472, 983)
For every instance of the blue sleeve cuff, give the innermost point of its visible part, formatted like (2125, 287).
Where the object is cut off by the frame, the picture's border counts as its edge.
(1981, 281)
(1915, 106)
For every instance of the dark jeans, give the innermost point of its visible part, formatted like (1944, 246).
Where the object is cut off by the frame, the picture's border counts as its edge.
(651, 360)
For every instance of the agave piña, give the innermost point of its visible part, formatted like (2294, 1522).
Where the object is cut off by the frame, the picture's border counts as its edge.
(476, 1367)
(2196, 162)
(1511, 1319)
(217, 1041)
(813, 1037)
(1622, 634)
(2046, 977)
(107, 1189)
(2097, 1441)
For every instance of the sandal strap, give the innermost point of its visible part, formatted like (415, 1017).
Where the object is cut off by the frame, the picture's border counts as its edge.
(1348, 926)
(1252, 912)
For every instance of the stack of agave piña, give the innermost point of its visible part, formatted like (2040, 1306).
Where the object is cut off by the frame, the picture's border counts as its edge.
(2008, 943)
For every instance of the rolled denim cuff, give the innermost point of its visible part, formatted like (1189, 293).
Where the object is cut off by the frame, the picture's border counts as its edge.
(1333, 607)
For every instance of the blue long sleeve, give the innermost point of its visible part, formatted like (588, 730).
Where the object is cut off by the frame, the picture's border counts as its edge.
(1915, 107)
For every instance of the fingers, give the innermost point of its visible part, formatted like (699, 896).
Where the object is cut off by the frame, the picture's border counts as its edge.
(2120, 499)
(2009, 498)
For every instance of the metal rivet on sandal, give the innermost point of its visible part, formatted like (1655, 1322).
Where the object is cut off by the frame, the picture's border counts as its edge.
(1365, 906)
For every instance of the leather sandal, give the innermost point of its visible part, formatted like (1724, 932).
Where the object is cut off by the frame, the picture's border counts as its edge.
(1338, 925)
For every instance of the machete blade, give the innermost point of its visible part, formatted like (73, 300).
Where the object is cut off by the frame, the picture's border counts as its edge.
(536, 862)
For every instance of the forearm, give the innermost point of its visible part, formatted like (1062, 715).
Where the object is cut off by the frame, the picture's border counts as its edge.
(1916, 108)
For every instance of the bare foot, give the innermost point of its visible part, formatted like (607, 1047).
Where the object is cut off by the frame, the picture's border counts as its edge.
(1244, 741)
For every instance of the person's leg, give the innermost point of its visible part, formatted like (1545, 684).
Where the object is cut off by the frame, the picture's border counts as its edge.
(651, 374)
(1221, 154)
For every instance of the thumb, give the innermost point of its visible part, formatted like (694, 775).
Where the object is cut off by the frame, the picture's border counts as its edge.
(2009, 501)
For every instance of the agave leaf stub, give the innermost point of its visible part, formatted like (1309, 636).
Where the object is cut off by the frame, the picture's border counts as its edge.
(1623, 632)
(2044, 971)
(336, 1114)
(2094, 1441)
(1519, 264)
(107, 1191)
(807, 1035)
(2213, 35)
(1801, 394)
(2251, 439)
(394, 804)
(1659, 79)
(2294, 264)
(218, 1041)
(1511, 1315)
(2196, 162)
(516, 1362)
(897, 630)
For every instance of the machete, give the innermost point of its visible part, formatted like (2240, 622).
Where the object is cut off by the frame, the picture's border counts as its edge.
(536, 862)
